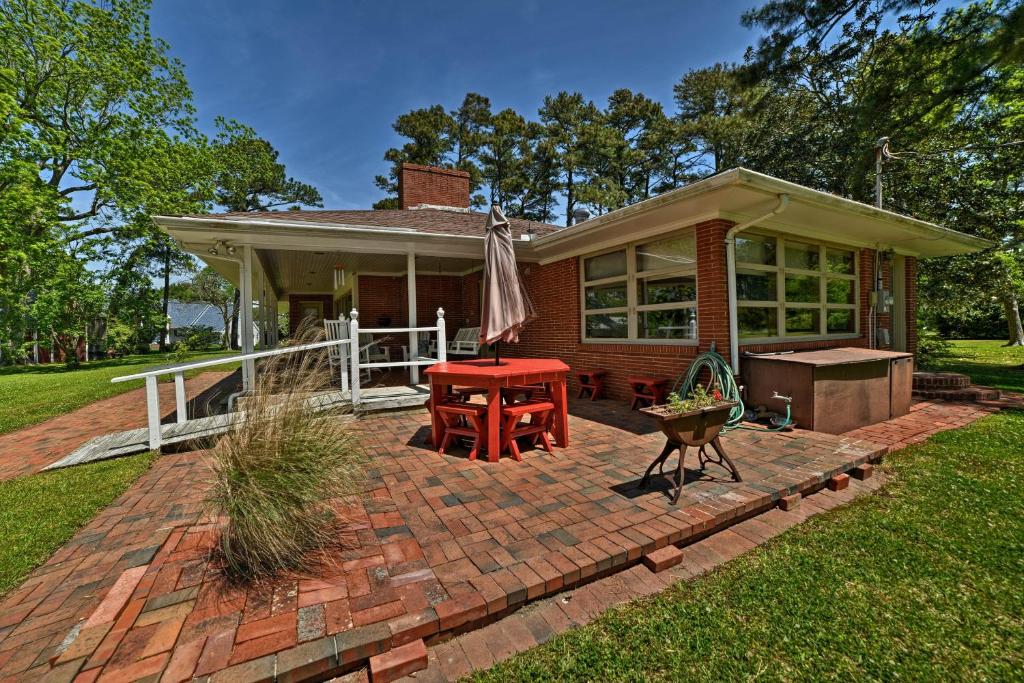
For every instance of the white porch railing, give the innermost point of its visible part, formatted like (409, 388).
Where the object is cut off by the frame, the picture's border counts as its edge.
(179, 370)
(414, 360)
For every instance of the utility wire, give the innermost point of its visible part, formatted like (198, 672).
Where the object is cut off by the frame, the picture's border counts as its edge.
(888, 154)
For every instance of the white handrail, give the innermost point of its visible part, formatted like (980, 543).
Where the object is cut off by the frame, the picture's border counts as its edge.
(153, 392)
(178, 370)
(169, 369)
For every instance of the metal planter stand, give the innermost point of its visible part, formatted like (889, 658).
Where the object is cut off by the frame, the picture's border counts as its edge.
(697, 428)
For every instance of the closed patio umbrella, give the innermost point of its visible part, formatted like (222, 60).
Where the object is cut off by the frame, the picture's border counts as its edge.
(506, 307)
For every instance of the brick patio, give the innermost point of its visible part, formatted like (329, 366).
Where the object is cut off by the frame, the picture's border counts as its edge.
(441, 545)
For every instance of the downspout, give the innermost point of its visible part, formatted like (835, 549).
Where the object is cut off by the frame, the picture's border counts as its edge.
(730, 265)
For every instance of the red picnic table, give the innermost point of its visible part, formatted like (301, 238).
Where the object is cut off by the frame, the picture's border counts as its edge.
(508, 372)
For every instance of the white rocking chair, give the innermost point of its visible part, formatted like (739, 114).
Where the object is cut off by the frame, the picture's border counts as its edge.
(372, 352)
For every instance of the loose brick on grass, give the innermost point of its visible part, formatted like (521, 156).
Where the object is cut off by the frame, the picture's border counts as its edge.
(862, 472)
(663, 558)
(839, 482)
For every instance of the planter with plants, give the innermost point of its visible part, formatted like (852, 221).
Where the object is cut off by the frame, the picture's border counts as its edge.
(696, 421)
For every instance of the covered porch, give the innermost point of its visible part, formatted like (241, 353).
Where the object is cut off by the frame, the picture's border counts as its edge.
(294, 273)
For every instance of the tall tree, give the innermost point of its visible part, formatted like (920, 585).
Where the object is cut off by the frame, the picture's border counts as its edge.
(470, 127)
(967, 46)
(248, 175)
(503, 159)
(428, 132)
(106, 124)
(541, 172)
(208, 287)
(567, 117)
(713, 109)
(99, 96)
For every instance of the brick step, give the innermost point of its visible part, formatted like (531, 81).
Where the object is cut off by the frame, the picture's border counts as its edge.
(971, 394)
(940, 380)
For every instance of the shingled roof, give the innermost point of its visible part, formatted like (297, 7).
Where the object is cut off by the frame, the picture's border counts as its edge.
(439, 221)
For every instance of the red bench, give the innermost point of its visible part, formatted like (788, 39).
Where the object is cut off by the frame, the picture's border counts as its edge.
(648, 391)
(541, 418)
(591, 382)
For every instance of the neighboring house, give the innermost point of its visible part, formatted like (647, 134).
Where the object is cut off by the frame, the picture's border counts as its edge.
(640, 290)
(183, 315)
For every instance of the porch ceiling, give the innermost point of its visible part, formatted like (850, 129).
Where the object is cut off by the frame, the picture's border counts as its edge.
(313, 271)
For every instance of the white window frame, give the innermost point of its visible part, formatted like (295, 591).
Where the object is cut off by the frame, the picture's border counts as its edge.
(633, 309)
(781, 270)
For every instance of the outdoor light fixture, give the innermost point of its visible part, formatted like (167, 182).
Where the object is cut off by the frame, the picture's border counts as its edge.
(221, 244)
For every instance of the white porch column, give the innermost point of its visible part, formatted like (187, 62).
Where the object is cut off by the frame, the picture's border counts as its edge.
(414, 337)
(261, 298)
(245, 316)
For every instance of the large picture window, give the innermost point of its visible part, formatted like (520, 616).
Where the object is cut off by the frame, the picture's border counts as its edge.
(790, 288)
(646, 291)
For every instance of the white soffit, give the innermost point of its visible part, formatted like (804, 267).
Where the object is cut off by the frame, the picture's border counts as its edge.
(741, 195)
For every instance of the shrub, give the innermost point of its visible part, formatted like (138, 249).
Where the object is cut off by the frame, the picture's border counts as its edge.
(282, 475)
(931, 347)
(180, 353)
(200, 337)
(122, 337)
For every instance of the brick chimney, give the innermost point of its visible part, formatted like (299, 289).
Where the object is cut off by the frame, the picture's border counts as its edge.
(418, 185)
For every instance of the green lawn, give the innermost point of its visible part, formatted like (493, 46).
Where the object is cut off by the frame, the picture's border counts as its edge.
(32, 394)
(921, 581)
(38, 514)
(988, 362)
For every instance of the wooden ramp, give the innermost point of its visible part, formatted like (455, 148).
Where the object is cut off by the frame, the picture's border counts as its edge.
(373, 399)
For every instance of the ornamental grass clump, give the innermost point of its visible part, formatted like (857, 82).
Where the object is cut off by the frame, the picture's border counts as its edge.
(283, 477)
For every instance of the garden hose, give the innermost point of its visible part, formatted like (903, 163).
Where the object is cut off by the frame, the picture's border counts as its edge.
(723, 380)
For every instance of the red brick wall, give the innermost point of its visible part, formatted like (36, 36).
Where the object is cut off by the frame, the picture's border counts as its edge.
(555, 291)
(471, 306)
(381, 296)
(429, 185)
(387, 296)
(712, 286)
(295, 308)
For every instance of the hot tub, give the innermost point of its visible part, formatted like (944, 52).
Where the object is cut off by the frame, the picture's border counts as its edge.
(834, 390)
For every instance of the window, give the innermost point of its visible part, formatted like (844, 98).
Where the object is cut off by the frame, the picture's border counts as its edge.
(645, 291)
(789, 288)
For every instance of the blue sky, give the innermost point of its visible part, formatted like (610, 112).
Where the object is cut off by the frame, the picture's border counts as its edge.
(323, 81)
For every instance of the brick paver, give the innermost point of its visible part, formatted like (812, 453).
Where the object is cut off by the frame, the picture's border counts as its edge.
(542, 620)
(30, 449)
(437, 544)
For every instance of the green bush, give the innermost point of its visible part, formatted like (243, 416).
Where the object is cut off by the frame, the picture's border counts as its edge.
(180, 353)
(200, 337)
(122, 337)
(281, 475)
(931, 347)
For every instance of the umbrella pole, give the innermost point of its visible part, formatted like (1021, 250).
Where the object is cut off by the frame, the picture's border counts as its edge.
(497, 352)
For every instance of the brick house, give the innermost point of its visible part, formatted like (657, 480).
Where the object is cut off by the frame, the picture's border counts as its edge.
(742, 261)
